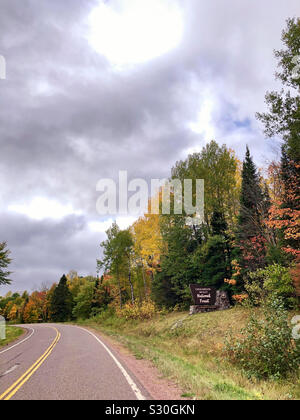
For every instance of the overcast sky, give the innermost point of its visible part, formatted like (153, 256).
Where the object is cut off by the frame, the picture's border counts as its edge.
(94, 87)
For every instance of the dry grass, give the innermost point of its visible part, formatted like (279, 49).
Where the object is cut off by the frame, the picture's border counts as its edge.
(189, 350)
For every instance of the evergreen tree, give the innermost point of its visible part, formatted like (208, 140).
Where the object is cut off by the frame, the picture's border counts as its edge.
(250, 200)
(216, 254)
(177, 268)
(4, 263)
(216, 264)
(250, 228)
(218, 223)
(61, 302)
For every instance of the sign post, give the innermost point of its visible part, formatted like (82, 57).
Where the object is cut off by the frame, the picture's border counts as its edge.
(2, 328)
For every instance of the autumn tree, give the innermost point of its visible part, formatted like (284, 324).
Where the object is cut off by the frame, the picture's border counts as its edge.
(283, 119)
(31, 313)
(117, 259)
(103, 294)
(125, 252)
(39, 300)
(283, 116)
(147, 246)
(219, 168)
(284, 214)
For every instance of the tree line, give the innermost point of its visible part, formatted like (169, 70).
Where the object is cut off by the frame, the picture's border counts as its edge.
(250, 236)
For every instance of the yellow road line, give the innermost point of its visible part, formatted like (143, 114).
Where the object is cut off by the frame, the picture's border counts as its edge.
(11, 391)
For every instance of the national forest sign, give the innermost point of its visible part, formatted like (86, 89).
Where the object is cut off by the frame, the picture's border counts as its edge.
(203, 296)
(208, 299)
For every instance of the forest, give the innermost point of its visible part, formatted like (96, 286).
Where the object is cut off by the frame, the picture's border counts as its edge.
(248, 245)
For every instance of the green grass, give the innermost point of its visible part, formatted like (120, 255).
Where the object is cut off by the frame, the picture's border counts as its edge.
(12, 333)
(191, 353)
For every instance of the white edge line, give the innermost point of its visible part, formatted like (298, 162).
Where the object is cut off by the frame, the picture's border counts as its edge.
(130, 381)
(27, 338)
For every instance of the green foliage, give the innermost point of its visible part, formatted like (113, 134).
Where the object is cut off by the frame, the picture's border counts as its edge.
(61, 302)
(171, 283)
(12, 334)
(83, 301)
(273, 282)
(266, 349)
(216, 264)
(218, 166)
(117, 255)
(4, 263)
(251, 195)
(253, 209)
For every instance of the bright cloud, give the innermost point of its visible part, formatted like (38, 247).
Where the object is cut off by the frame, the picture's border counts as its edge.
(102, 227)
(135, 31)
(41, 208)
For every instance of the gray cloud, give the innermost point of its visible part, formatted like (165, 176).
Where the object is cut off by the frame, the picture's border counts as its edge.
(67, 119)
(43, 250)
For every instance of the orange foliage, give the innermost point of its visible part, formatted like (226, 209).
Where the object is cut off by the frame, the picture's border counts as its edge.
(240, 298)
(285, 218)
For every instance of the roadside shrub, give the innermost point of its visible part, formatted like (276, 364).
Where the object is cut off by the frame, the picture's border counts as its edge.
(240, 298)
(140, 310)
(266, 348)
(272, 282)
(295, 274)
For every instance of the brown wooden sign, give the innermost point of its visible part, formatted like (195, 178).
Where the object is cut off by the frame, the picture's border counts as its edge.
(203, 296)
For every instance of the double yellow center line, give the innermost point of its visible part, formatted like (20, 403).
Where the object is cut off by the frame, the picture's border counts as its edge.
(11, 391)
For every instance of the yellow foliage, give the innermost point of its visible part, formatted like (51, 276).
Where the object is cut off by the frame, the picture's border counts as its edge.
(13, 314)
(143, 310)
(147, 240)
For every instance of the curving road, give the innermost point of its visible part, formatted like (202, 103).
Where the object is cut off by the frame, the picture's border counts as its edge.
(64, 362)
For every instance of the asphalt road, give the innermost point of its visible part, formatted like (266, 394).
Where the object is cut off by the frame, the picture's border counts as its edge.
(62, 362)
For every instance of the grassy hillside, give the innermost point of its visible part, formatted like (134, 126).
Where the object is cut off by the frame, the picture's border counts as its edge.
(12, 333)
(189, 350)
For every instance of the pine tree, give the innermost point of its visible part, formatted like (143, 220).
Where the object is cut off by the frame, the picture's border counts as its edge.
(218, 223)
(4, 263)
(216, 266)
(177, 268)
(61, 302)
(253, 202)
(250, 200)
(216, 260)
